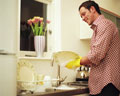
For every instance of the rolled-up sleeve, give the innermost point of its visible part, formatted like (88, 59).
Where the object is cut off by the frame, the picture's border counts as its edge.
(100, 45)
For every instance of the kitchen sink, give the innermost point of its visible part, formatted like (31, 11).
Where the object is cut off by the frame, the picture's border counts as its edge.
(78, 83)
(68, 86)
(65, 89)
(61, 87)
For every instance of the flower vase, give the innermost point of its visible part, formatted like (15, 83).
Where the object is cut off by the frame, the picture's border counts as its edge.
(39, 44)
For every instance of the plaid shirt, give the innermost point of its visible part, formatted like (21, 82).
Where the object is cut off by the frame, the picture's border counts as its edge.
(105, 55)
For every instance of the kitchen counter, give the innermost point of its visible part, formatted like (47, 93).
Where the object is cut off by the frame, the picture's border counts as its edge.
(55, 92)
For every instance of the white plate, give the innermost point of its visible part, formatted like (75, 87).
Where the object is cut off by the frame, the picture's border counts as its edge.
(63, 57)
(26, 76)
(25, 71)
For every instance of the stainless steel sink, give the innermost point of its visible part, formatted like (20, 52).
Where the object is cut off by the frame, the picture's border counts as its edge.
(68, 86)
(61, 87)
(78, 83)
(62, 90)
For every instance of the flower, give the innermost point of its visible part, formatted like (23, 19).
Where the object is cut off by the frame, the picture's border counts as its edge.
(38, 26)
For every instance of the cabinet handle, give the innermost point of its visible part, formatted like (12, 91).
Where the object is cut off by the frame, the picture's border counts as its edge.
(1, 53)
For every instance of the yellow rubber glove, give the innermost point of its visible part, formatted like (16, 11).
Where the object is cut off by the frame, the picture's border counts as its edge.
(74, 64)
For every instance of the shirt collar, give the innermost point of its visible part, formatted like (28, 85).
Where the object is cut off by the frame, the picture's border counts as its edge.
(95, 23)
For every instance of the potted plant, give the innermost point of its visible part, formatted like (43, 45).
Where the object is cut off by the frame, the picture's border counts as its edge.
(39, 30)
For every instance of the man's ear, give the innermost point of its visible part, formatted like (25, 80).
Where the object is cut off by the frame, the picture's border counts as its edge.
(92, 9)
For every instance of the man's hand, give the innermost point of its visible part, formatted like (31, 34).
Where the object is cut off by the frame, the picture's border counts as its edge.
(85, 61)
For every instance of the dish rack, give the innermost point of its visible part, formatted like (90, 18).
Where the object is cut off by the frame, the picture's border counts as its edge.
(27, 85)
(31, 86)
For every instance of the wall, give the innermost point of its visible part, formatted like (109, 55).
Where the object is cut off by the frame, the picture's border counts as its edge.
(112, 5)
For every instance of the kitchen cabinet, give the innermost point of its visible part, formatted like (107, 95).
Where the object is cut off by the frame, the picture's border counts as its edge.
(8, 75)
(86, 32)
(8, 26)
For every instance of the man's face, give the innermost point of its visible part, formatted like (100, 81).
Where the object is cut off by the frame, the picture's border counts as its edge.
(87, 15)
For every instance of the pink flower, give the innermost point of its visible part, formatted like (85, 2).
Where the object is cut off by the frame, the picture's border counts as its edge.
(38, 26)
(48, 21)
(36, 19)
(41, 19)
(30, 21)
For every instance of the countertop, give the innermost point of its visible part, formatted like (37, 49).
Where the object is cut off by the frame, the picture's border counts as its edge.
(78, 90)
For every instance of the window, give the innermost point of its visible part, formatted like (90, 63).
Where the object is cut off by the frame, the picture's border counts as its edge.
(118, 24)
(48, 9)
(29, 9)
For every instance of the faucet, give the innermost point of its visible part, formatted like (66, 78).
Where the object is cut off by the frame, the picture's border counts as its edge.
(60, 80)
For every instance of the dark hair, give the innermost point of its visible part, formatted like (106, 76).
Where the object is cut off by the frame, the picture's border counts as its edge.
(88, 4)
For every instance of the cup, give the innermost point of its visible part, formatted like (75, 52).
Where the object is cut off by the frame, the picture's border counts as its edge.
(47, 81)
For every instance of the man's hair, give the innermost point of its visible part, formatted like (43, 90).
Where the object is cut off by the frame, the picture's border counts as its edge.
(88, 4)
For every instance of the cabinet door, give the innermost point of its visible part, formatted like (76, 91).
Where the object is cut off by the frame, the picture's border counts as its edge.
(7, 75)
(8, 28)
(85, 30)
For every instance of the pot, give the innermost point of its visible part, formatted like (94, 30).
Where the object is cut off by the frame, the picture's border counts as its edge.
(82, 74)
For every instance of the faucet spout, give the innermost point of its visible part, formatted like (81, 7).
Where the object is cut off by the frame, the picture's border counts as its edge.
(56, 59)
(58, 75)
(60, 80)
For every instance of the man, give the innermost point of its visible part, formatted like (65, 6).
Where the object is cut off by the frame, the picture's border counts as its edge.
(104, 54)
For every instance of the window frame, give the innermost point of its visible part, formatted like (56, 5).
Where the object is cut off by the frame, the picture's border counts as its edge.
(29, 54)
